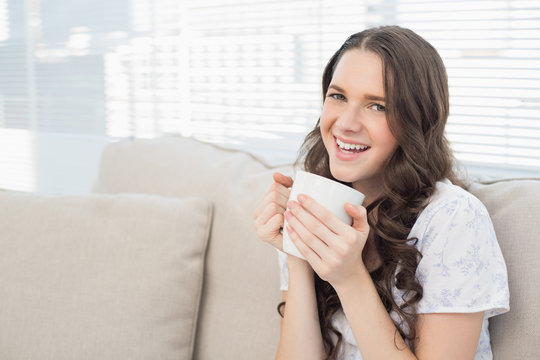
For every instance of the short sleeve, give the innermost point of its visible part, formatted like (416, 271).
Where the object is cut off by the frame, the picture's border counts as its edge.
(462, 268)
(283, 271)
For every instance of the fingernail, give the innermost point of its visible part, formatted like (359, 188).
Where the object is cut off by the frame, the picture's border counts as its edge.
(302, 198)
(291, 204)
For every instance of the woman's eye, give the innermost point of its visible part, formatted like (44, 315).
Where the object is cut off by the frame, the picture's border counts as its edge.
(337, 97)
(378, 107)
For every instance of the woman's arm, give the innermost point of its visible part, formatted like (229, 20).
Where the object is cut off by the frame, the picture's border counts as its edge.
(373, 329)
(448, 336)
(439, 336)
(300, 334)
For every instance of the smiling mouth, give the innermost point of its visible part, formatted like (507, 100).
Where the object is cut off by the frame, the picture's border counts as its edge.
(351, 148)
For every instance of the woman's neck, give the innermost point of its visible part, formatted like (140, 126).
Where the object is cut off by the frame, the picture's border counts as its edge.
(370, 192)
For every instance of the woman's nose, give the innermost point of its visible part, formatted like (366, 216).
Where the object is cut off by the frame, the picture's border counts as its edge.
(350, 120)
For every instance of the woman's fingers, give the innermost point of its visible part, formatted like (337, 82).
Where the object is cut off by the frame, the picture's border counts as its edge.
(268, 215)
(276, 197)
(307, 252)
(284, 180)
(318, 214)
(276, 194)
(359, 216)
(267, 212)
(270, 232)
(308, 229)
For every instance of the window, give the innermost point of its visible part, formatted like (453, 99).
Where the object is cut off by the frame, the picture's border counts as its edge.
(246, 73)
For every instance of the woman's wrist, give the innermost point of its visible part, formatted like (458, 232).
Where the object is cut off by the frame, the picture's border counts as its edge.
(358, 278)
(298, 266)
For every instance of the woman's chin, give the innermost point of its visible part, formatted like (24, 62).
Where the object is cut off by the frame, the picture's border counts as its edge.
(342, 175)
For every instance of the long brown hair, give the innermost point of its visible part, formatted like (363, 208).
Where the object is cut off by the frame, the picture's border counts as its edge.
(417, 106)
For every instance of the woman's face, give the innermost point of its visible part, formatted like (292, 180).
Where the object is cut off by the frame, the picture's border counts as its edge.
(353, 121)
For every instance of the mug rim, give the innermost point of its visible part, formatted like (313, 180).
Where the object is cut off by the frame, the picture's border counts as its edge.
(333, 182)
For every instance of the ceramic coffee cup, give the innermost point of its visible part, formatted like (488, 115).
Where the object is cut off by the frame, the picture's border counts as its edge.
(328, 193)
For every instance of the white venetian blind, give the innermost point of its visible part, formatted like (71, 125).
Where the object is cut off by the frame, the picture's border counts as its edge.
(255, 69)
(246, 73)
(492, 53)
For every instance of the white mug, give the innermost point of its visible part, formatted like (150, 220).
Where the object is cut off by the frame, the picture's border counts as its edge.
(330, 194)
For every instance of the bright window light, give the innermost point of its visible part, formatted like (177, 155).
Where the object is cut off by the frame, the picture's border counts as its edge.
(247, 73)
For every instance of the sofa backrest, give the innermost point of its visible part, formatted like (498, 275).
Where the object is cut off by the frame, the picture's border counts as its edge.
(514, 207)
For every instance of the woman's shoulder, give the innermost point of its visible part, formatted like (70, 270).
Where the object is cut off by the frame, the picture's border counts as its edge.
(451, 210)
(446, 191)
(451, 200)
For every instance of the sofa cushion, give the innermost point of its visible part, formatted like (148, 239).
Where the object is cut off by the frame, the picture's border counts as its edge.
(241, 290)
(100, 276)
(514, 207)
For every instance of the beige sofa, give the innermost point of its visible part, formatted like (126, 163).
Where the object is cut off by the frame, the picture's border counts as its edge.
(161, 261)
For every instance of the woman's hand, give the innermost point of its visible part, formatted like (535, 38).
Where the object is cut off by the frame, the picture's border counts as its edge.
(269, 214)
(333, 248)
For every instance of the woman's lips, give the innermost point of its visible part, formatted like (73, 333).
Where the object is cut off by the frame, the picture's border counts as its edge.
(350, 145)
(352, 153)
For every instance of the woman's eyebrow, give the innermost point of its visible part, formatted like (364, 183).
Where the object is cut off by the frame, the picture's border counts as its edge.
(367, 96)
(375, 97)
(335, 87)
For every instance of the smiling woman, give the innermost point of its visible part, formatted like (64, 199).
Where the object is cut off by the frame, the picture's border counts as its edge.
(397, 282)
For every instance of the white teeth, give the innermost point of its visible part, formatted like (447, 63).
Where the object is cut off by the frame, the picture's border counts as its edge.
(346, 146)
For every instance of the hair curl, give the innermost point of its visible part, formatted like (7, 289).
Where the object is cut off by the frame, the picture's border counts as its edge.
(417, 107)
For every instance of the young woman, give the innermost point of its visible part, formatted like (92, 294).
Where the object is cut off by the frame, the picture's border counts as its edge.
(419, 271)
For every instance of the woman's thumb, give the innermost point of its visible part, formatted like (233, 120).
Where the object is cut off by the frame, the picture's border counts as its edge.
(359, 216)
(284, 180)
